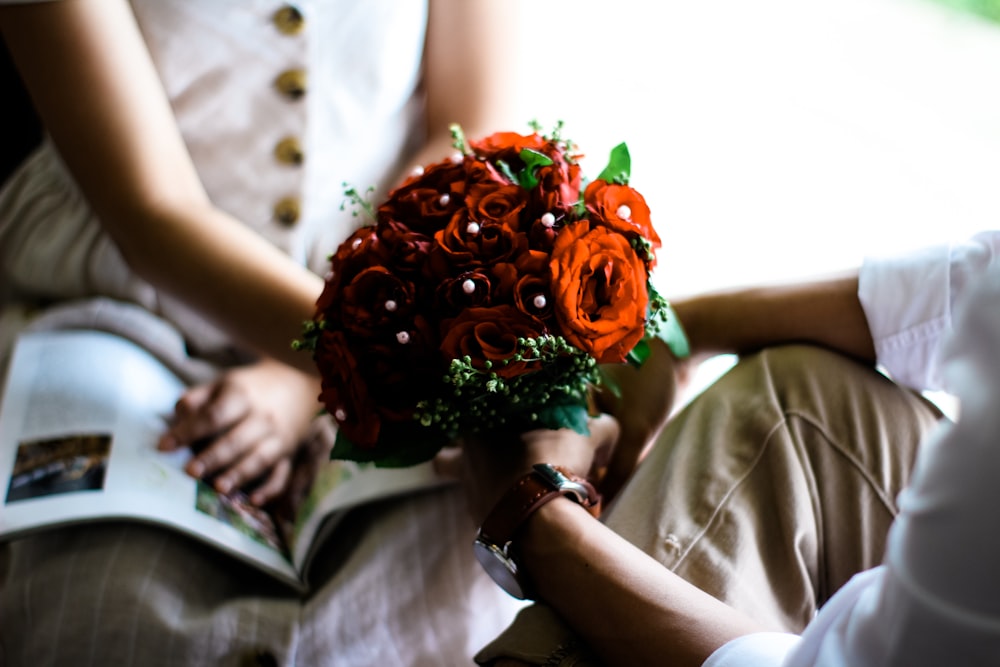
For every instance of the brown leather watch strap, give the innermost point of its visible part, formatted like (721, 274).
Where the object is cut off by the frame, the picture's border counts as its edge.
(525, 497)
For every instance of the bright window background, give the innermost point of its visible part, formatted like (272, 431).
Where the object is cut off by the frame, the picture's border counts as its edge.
(778, 139)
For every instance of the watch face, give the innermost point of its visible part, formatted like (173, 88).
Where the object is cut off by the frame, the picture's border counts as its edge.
(500, 568)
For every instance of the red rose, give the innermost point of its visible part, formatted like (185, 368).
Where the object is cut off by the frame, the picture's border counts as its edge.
(466, 290)
(533, 296)
(360, 251)
(344, 392)
(376, 301)
(424, 209)
(506, 146)
(623, 209)
(426, 201)
(398, 365)
(490, 335)
(404, 249)
(543, 230)
(558, 184)
(599, 285)
(531, 291)
(479, 171)
(497, 204)
(466, 242)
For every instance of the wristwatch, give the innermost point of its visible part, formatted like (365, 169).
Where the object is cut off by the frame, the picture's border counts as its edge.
(493, 543)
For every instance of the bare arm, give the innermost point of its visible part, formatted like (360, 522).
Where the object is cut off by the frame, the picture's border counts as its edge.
(468, 74)
(627, 607)
(631, 609)
(99, 96)
(825, 312)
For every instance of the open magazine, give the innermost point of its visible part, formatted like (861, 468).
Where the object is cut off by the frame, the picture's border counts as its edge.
(79, 421)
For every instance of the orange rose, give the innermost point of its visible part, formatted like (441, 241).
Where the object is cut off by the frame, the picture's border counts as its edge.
(623, 209)
(599, 285)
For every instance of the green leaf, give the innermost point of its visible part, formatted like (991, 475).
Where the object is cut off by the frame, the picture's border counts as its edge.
(672, 333)
(345, 450)
(619, 167)
(508, 172)
(458, 139)
(532, 161)
(638, 354)
(609, 383)
(409, 448)
(573, 416)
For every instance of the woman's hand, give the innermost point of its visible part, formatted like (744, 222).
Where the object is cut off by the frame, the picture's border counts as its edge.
(245, 427)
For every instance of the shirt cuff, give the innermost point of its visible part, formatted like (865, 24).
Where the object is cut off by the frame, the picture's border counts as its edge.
(906, 301)
(761, 649)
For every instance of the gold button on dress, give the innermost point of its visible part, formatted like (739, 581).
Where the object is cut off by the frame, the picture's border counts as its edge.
(292, 83)
(289, 20)
(289, 151)
(287, 211)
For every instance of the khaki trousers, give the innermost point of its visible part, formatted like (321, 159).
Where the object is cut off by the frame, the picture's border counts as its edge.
(768, 491)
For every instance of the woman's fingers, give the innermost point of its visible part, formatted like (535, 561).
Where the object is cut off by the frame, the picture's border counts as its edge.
(238, 455)
(204, 412)
(274, 484)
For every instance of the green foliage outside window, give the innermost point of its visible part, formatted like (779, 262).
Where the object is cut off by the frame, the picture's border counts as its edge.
(989, 9)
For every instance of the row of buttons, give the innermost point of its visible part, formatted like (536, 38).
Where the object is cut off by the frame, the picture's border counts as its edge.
(292, 84)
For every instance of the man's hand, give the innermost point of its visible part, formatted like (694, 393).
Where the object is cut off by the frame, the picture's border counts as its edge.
(491, 464)
(245, 427)
(641, 399)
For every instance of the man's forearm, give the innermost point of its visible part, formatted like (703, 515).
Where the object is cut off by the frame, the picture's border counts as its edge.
(825, 312)
(631, 609)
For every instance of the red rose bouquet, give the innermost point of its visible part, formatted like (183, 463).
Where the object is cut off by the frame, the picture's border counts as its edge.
(482, 295)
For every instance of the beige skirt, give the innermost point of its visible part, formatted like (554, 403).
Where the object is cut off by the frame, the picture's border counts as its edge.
(397, 584)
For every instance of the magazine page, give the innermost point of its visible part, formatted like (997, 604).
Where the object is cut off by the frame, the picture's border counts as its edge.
(80, 418)
(341, 485)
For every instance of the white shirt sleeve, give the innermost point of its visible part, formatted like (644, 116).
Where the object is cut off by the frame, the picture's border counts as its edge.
(761, 649)
(909, 301)
(936, 601)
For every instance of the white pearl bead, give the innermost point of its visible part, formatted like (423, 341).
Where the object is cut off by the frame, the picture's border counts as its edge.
(417, 171)
(444, 200)
(472, 228)
(539, 301)
(624, 212)
(548, 219)
(355, 244)
(340, 414)
(403, 337)
(390, 305)
(457, 157)
(469, 286)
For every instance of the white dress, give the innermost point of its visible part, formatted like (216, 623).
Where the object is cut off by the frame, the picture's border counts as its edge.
(279, 106)
(255, 89)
